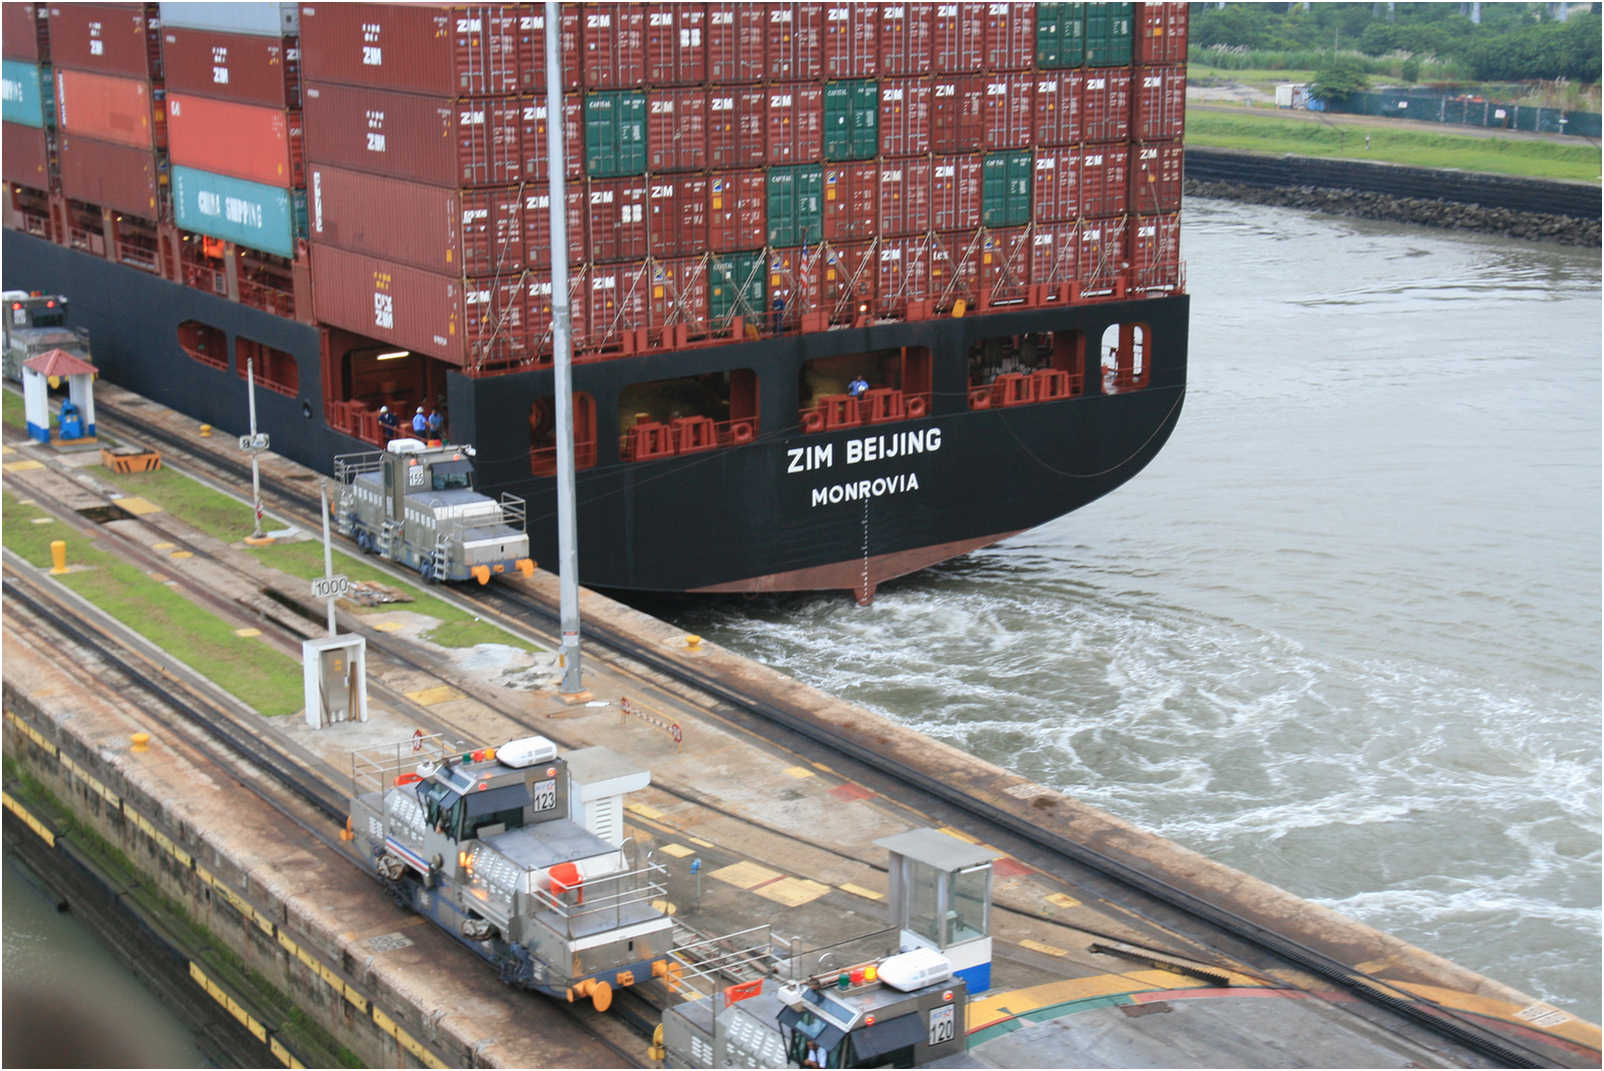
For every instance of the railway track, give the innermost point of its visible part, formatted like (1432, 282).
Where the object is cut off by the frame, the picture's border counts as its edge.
(500, 601)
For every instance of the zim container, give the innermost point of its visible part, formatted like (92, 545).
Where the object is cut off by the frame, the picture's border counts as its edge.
(1057, 185)
(737, 216)
(612, 39)
(243, 67)
(1161, 34)
(851, 196)
(1155, 246)
(1104, 181)
(617, 218)
(737, 120)
(413, 309)
(537, 227)
(904, 202)
(25, 155)
(958, 38)
(1058, 107)
(24, 32)
(1010, 36)
(23, 98)
(247, 141)
(676, 44)
(905, 116)
(902, 274)
(905, 38)
(1009, 117)
(1156, 172)
(113, 38)
(245, 213)
(534, 138)
(955, 189)
(1100, 254)
(851, 41)
(1159, 113)
(468, 142)
(442, 51)
(957, 120)
(676, 215)
(795, 123)
(736, 37)
(104, 107)
(851, 120)
(1105, 107)
(1055, 254)
(795, 42)
(105, 173)
(676, 130)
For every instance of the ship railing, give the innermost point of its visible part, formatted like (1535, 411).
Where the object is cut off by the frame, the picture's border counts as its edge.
(267, 298)
(831, 412)
(347, 467)
(601, 903)
(700, 969)
(385, 766)
(650, 440)
(543, 459)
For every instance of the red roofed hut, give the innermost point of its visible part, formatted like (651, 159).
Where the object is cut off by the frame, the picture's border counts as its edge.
(39, 374)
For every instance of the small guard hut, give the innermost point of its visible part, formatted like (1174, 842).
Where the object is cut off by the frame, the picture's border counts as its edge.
(941, 899)
(46, 370)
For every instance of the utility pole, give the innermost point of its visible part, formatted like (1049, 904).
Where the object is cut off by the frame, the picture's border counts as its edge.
(562, 361)
(254, 444)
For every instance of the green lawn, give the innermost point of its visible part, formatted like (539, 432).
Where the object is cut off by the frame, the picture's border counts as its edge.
(1404, 145)
(11, 410)
(244, 667)
(211, 511)
(1259, 78)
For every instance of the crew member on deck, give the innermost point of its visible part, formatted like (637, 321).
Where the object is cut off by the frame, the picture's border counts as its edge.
(857, 386)
(387, 423)
(420, 423)
(436, 422)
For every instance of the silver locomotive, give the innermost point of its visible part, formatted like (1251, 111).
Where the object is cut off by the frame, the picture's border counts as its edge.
(416, 504)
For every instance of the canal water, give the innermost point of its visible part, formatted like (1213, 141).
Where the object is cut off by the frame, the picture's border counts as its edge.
(1343, 633)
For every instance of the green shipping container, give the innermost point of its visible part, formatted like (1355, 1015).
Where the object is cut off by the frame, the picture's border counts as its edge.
(1006, 189)
(1060, 35)
(245, 213)
(24, 100)
(852, 120)
(737, 286)
(615, 133)
(1108, 35)
(796, 205)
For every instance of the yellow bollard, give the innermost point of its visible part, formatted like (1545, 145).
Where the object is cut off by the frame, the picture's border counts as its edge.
(141, 741)
(693, 642)
(206, 431)
(58, 557)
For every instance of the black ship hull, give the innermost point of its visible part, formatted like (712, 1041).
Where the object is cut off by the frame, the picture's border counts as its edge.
(789, 510)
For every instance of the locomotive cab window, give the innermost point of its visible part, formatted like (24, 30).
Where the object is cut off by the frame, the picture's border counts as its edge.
(451, 476)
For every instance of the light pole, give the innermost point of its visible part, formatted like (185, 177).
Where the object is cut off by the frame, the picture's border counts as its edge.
(254, 444)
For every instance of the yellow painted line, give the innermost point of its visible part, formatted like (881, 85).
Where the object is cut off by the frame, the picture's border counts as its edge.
(960, 834)
(357, 1000)
(991, 1009)
(645, 810)
(1059, 899)
(678, 851)
(822, 766)
(280, 1051)
(745, 874)
(859, 890)
(383, 1021)
(181, 554)
(255, 1027)
(139, 507)
(28, 819)
(699, 840)
(388, 626)
(667, 907)
(289, 944)
(24, 466)
(428, 697)
(799, 771)
(247, 633)
(793, 892)
(1045, 949)
(162, 546)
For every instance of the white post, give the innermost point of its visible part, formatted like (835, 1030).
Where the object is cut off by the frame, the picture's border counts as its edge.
(328, 552)
(563, 386)
(256, 472)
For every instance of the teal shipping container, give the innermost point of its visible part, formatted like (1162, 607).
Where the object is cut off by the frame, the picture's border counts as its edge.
(1060, 35)
(796, 205)
(615, 133)
(245, 213)
(737, 286)
(24, 100)
(1109, 35)
(852, 120)
(1006, 188)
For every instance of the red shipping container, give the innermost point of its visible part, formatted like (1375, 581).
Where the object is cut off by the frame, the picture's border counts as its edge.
(954, 268)
(617, 303)
(613, 39)
(676, 294)
(902, 275)
(617, 216)
(233, 66)
(795, 42)
(795, 123)
(1105, 181)
(537, 229)
(103, 107)
(428, 139)
(851, 197)
(904, 206)
(736, 35)
(905, 116)
(1057, 105)
(958, 38)
(23, 30)
(1055, 254)
(676, 45)
(955, 191)
(534, 73)
(1155, 244)
(439, 50)
(494, 321)
(1005, 264)
(113, 176)
(412, 309)
(357, 212)
(112, 38)
(1156, 173)
(737, 220)
(851, 41)
(537, 311)
(25, 155)
(1161, 33)
(1160, 103)
(1010, 121)
(846, 280)
(957, 106)
(1056, 189)
(246, 141)
(1105, 106)
(676, 215)
(1102, 254)
(906, 32)
(676, 130)
(794, 284)
(533, 129)
(492, 232)
(1010, 36)
(737, 126)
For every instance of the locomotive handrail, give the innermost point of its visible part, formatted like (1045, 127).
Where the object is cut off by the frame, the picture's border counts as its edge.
(597, 899)
(382, 763)
(347, 467)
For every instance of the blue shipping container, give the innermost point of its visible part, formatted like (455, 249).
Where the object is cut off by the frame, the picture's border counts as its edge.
(24, 103)
(245, 213)
(258, 20)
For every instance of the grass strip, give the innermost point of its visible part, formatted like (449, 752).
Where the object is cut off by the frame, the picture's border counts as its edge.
(247, 669)
(1529, 158)
(213, 512)
(13, 413)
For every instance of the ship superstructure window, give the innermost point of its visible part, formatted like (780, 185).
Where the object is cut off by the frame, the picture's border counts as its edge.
(273, 368)
(1042, 366)
(204, 343)
(864, 388)
(543, 434)
(670, 417)
(1126, 362)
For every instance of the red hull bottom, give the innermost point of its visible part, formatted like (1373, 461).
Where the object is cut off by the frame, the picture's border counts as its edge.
(859, 576)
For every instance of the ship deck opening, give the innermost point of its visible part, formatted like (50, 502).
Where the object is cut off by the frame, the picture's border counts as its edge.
(687, 415)
(361, 375)
(543, 434)
(1125, 359)
(204, 343)
(897, 387)
(1043, 366)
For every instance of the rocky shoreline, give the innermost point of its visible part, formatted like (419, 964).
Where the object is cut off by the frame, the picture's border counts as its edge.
(1430, 212)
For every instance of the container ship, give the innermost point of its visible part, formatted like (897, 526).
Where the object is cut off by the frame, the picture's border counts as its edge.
(855, 288)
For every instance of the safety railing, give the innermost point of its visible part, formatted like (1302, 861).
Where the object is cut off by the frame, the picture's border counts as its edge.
(649, 440)
(543, 459)
(598, 904)
(384, 766)
(831, 412)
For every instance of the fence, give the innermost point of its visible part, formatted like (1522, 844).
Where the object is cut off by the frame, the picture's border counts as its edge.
(1465, 110)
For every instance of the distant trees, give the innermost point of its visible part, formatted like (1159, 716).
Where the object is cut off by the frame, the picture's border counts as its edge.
(1341, 79)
